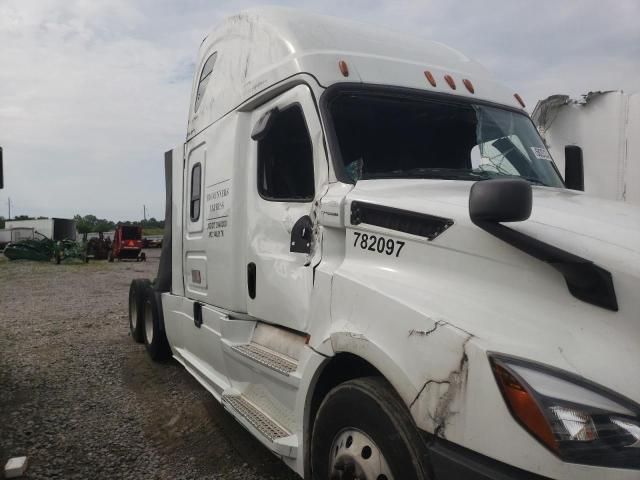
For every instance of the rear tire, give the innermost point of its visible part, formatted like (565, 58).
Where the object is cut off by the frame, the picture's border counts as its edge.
(364, 430)
(155, 338)
(137, 291)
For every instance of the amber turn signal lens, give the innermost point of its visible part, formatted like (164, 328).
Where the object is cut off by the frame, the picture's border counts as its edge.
(524, 407)
(344, 68)
(430, 78)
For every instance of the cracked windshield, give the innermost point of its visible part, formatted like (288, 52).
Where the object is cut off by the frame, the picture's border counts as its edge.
(385, 136)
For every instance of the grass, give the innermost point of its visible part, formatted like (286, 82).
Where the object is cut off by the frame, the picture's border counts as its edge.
(152, 231)
(10, 267)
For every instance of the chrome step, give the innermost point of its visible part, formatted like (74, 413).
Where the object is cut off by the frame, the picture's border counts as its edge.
(265, 425)
(267, 357)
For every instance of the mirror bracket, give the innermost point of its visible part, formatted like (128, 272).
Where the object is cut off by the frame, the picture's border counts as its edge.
(507, 200)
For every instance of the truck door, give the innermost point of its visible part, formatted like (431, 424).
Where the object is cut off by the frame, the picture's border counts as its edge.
(195, 257)
(287, 173)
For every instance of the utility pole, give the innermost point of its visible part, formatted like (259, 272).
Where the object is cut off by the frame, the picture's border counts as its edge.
(144, 212)
(9, 202)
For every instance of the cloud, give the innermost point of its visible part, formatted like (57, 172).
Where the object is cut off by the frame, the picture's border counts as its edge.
(93, 92)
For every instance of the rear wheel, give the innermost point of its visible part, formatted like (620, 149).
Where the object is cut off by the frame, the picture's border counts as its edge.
(155, 338)
(137, 291)
(363, 430)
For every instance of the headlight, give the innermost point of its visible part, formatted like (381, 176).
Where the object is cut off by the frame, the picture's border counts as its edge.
(577, 420)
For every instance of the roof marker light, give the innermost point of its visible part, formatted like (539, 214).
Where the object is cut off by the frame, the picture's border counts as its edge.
(430, 78)
(519, 99)
(344, 68)
(469, 85)
(450, 81)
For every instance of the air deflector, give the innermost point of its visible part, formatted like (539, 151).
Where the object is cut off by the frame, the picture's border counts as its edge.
(420, 224)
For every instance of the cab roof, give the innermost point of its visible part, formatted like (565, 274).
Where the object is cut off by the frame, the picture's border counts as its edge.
(259, 47)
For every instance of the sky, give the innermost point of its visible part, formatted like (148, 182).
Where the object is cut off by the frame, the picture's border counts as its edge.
(93, 92)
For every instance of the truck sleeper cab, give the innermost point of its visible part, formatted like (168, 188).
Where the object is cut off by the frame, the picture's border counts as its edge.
(371, 260)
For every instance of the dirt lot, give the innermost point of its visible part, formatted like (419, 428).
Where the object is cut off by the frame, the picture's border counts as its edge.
(82, 400)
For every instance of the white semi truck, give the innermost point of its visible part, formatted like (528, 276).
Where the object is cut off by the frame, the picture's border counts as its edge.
(372, 262)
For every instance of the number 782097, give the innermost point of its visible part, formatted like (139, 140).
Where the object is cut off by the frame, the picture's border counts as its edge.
(377, 243)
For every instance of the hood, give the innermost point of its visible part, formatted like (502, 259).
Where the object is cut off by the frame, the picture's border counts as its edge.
(603, 231)
(513, 303)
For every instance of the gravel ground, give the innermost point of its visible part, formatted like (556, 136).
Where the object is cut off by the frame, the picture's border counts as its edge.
(82, 400)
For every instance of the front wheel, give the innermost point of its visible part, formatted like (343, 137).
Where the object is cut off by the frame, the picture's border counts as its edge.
(363, 430)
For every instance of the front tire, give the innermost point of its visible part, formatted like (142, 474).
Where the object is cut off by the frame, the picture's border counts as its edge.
(155, 338)
(137, 291)
(363, 430)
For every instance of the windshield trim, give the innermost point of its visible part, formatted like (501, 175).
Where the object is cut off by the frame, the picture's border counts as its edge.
(336, 90)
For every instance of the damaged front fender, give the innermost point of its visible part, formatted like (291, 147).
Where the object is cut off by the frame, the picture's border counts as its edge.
(442, 394)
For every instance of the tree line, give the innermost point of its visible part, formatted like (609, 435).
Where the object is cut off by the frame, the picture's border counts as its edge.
(91, 223)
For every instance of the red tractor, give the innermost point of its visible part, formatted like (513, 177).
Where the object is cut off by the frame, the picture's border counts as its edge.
(127, 244)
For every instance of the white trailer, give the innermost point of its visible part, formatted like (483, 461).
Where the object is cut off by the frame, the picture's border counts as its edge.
(15, 235)
(602, 127)
(5, 237)
(53, 228)
(371, 260)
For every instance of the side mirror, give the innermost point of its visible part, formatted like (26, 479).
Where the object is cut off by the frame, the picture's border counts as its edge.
(573, 168)
(1, 170)
(500, 200)
(263, 125)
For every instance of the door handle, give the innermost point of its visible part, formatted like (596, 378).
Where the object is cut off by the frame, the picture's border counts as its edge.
(251, 280)
(197, 314)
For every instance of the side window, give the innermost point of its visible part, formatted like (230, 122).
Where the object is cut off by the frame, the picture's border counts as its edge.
(194, 204)
(285, 159)
(204, 79)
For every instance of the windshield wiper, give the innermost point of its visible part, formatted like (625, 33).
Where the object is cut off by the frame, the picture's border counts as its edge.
(533, 180)
(435, 173)
(447, 174)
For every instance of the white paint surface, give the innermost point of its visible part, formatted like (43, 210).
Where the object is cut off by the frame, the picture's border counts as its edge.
(425, 319)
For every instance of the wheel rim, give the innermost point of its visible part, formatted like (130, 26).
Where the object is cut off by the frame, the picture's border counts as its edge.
(148, 322)
(355, 456)
(133, 312)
